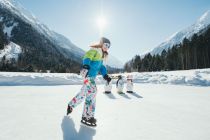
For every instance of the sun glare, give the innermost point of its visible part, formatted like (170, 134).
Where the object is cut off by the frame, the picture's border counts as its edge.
(101, 23)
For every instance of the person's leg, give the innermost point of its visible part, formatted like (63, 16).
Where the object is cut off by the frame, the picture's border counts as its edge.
(90, 101)
(79, 97)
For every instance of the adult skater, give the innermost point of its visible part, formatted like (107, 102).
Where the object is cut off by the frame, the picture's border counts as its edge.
(92, 65)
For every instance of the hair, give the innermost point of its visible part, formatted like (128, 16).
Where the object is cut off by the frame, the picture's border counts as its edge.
(105, 55)
(96, 45)
(99, 45)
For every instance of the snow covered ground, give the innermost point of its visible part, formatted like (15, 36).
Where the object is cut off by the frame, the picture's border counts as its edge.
(199, 77)
(165, 106)
(154, 112)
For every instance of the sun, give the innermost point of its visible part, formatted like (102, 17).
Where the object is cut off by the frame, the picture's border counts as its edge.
(101, 23)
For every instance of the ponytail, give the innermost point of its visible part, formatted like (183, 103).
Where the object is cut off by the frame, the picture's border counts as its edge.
(98, 45)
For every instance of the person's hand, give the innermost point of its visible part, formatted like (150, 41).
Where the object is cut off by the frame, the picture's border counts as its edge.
(107, 78)
(84, 71)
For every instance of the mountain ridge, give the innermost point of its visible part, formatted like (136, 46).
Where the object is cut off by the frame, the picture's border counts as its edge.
(201, 24)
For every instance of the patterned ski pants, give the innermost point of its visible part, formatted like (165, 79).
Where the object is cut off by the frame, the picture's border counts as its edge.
(89, 91)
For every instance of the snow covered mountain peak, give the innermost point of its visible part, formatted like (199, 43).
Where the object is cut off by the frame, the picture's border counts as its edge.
(10, 2)
(201, 24)
(24, 14)
(17, 9)
(205, 18)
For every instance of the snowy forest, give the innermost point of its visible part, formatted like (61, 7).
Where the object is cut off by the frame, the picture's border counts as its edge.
(3, 39)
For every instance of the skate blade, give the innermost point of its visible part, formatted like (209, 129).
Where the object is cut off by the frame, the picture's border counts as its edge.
(107, 92)
(88, 124)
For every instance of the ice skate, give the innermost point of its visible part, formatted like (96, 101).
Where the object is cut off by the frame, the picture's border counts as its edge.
(69, 110)
(89, 121)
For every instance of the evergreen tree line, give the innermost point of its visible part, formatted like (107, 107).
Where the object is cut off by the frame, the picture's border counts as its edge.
(112, 70)
(28, 62)
(190, 54)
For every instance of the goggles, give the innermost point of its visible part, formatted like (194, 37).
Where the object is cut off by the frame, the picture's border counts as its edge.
(106, 45)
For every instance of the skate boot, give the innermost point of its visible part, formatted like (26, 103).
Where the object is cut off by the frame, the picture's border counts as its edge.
(120, 92)
(89, 121)
(107, 92)
(69, 110)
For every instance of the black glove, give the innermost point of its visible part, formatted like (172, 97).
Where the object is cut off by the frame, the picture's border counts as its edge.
(107, 78)
(86, 67)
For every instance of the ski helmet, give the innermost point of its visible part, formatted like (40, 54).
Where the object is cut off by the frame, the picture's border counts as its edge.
(106, 42)
(129, 77)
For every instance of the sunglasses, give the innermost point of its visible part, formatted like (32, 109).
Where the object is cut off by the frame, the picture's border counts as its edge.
(106, 45)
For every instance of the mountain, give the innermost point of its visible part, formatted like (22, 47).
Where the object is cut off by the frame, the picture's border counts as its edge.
(59, 40)
(41, 48)
(114, 62)
(197, 28)
(187, 49)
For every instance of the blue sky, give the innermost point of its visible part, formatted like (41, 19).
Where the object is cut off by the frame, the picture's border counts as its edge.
(133, 26)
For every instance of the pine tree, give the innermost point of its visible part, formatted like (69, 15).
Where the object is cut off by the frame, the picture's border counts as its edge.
(1, 37)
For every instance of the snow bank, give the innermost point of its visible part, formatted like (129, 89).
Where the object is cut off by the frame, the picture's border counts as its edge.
(21, 78)
(199, 77)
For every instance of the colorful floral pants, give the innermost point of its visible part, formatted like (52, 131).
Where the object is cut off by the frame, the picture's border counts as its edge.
(87, 92)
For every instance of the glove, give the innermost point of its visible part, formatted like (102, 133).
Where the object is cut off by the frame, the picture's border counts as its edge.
(107, 78)
(84, 71)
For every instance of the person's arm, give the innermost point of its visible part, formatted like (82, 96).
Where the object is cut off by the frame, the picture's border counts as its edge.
(103, 72)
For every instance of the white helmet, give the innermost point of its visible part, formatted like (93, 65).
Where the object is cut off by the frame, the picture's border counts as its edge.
(129, 77)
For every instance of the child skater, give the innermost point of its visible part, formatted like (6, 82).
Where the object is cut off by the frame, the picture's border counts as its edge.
(92, 65)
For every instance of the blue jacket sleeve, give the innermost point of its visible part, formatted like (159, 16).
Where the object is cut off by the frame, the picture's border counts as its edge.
(86, 61)
(103, 70)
